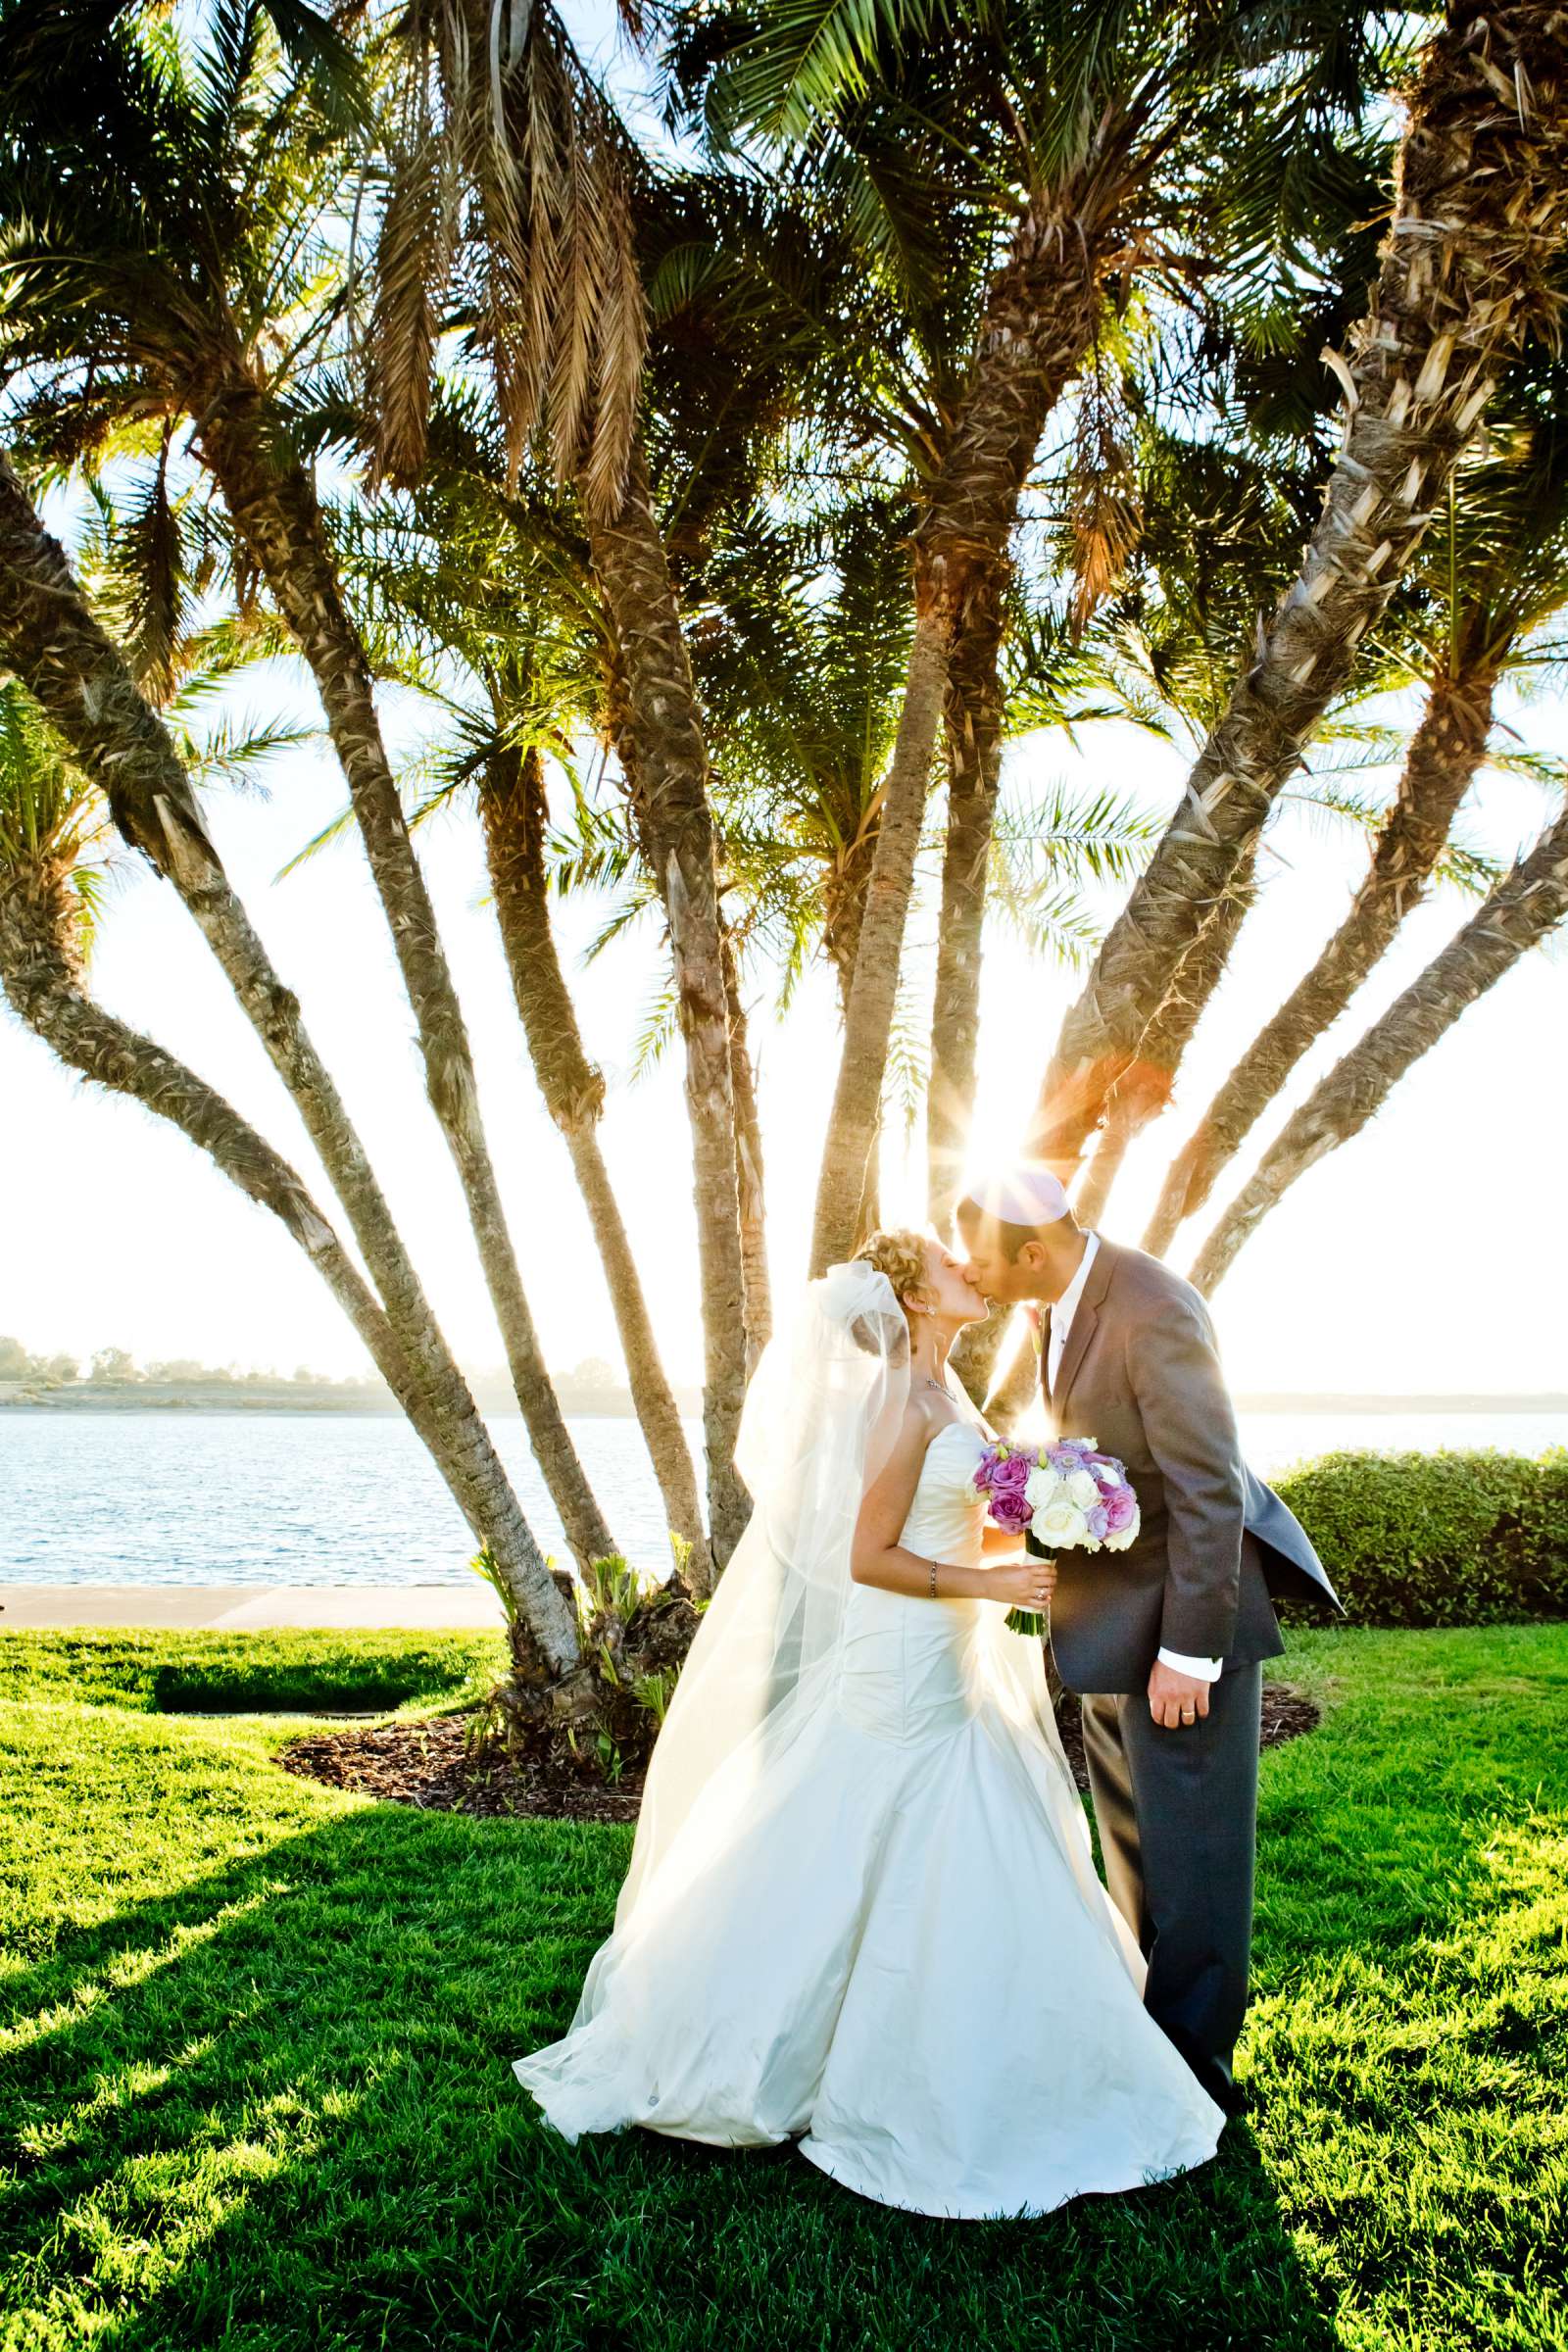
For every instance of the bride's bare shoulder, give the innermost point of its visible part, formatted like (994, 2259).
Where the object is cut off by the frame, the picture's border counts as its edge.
(923, 1421)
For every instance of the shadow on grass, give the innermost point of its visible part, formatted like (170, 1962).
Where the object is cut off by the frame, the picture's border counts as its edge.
(275, 2110)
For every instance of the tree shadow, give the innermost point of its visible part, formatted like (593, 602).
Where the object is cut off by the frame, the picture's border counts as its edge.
(275, 2108)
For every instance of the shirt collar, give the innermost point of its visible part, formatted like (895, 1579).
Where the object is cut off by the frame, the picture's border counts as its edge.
(1066, 1306)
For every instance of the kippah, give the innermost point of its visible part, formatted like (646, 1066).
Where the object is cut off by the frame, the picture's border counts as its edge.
(1025, 1194)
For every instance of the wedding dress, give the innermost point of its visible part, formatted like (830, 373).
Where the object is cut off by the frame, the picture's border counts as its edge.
(871, 1919)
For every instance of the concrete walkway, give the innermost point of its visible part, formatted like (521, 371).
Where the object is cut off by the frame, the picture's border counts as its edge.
(240, 1608)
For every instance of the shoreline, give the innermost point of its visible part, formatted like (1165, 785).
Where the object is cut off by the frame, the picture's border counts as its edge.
(616, 1406)
(248, 1608)
(153, 1398)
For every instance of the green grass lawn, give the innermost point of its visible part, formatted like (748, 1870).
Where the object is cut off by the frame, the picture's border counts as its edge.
(255, 2034)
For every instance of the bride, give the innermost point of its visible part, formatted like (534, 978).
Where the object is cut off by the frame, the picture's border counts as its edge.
(862, 1908)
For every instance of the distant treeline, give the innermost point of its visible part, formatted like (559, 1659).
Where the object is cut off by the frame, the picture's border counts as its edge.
(117, 1367)
(111, 1375)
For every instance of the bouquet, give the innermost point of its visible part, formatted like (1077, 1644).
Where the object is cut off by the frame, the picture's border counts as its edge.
(1068, 1495)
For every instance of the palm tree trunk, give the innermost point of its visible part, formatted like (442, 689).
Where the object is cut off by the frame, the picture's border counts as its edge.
(750, 1183)
(844, 904)
(1525, 908)
(1444, 754)
(669, 776)
(849, 1151)
(1144, 1091)
(1038, 325)
(974, 715)
(78, 676)
(271, 503)
(1112, 1145)
(1479, 216)
(512, 811)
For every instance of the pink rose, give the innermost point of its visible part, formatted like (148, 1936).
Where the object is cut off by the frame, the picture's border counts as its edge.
(1011, 1510)
(1120, 1507)
(1010, 1472)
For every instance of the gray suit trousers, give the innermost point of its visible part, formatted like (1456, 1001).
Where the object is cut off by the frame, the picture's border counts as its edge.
(1177, 1813)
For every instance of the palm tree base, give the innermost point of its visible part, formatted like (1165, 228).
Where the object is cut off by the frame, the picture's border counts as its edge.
(601, 1719)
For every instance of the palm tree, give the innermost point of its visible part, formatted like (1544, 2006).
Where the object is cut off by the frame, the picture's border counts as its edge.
(170, 283)
(751, 1182)
(1478, 214)
(799, 662)
(1215, 519)
(1054, 118)
(1050, 676)
(495, 107)
(1036, 327)
(513, 816)
(1500, 573)
(1020, 327)
(79, 680)
(1525, 909)
(670, 785)
(468, 598)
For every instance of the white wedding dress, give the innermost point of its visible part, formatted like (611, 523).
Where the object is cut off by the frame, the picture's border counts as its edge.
(885, 1934)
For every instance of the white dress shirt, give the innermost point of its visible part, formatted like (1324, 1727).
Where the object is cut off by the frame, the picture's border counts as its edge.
(1206, 1669)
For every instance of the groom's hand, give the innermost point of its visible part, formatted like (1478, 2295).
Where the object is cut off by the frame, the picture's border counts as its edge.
(1175, 1700)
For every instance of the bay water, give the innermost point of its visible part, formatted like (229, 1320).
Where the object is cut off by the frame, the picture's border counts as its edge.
(249, 1497)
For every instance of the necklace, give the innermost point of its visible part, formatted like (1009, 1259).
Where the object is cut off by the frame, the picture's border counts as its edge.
(941, 1386)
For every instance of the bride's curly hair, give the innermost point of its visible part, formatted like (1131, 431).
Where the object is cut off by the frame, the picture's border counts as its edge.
(900, 1254)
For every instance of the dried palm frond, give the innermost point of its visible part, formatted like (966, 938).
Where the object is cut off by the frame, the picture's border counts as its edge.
(515, 123)
(413, 261)
(158, 594)
(1104, 514)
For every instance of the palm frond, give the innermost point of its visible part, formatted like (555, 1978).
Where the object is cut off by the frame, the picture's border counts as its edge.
(235, 749)
(657, 1028)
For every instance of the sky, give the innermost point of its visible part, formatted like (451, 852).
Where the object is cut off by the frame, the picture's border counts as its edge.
(1430, 1254)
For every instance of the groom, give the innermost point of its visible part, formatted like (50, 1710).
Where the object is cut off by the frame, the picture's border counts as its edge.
(1164, 1641)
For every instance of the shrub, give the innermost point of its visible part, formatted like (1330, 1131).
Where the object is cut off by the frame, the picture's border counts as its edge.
(1437, 1539)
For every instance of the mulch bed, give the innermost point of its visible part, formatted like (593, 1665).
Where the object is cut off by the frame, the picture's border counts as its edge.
(426, 1764)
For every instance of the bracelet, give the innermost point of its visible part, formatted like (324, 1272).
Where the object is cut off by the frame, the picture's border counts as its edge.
(933, 1580)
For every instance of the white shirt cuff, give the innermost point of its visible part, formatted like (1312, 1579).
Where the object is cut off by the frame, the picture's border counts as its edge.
(1202, 1670)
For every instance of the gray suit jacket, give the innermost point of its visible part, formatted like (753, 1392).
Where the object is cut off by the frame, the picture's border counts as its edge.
(1141, 1376)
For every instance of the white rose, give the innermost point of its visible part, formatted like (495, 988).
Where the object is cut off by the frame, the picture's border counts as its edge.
(1058, 1525)
(1041, 1485)
(1084, 1489)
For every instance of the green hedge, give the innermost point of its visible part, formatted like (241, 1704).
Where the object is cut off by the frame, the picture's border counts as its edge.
(1437, 1539)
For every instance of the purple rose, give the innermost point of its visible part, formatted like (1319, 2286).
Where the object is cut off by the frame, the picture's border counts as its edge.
(1010, 1473)
(1098, 1523)
(1011, 1510)
(1120, 1508)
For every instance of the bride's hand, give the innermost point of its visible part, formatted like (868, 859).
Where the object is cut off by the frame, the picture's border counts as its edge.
(1026, 1584)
